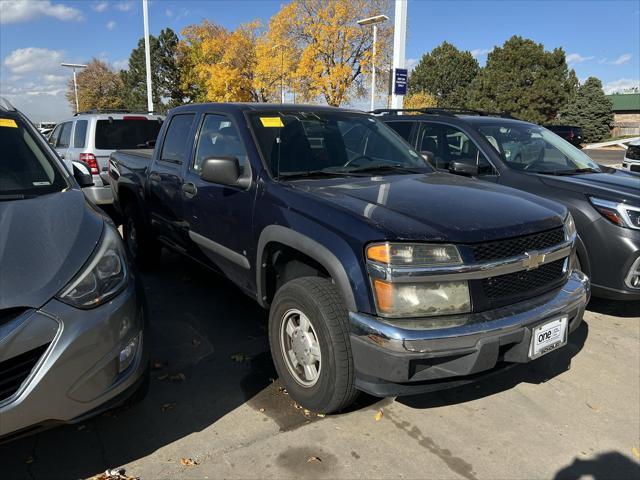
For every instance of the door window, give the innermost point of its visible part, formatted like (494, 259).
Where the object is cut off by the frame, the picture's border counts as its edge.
(219, 137)
(53, 138)
(80, 134)
(174, 148)
(429, 141)
(460, 148)
(402, 128)
(65, 135)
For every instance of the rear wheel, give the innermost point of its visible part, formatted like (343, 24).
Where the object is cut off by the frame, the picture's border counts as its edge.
(309, 338)
(143, 248)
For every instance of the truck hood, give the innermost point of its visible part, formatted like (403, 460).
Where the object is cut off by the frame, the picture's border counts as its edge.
(612, 184)
(44, 241)
(439, 206)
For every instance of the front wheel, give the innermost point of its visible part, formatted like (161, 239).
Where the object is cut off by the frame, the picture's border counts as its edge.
(143, 249)
(309, 339)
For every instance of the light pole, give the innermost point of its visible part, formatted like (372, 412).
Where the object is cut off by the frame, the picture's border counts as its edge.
(75, 83)
(399, 41)
(147, 55)
(373, 21)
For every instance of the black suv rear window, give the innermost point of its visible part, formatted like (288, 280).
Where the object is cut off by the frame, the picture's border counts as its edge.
(26, 169)
(125, 134)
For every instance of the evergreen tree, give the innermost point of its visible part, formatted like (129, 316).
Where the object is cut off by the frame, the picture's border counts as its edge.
(590, 109)
(525, 80)
(445, 73)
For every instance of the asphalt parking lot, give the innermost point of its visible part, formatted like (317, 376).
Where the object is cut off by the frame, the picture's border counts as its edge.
(213, 402)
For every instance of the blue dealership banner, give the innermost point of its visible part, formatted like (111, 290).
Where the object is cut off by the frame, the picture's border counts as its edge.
(400, 84)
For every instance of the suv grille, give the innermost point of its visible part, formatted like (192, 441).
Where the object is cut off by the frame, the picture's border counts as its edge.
(517, 246)
(633, 152)
(13, 372)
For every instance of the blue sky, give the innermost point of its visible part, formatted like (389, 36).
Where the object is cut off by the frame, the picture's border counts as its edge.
(601, 38)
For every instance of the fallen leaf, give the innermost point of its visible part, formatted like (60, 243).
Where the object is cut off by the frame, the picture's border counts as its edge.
(178, 377)
(168, 406)
(307, 412)
(188, 462)
(378, 415)
(114, 474)
(314, 459)
(28, 460)
(636, 452)
(163, 377)
(240, 357)
(195, 342)
(159, 365)
(321, 415)
(595, 408)
(262, 410)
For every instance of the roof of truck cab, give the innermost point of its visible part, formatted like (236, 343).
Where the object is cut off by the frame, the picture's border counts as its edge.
(460, 119)
(261, 107)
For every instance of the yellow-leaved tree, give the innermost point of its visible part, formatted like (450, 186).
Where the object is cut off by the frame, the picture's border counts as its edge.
(99, 87)
(420, 100)
(333, 53)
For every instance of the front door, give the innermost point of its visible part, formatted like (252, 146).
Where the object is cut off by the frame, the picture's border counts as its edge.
(219, 216)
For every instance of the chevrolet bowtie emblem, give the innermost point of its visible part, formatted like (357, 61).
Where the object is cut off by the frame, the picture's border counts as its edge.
(534, 260)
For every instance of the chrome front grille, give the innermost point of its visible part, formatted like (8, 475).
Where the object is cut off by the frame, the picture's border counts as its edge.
(14, 371)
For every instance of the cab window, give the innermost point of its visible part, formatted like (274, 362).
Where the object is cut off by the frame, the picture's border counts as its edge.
(218, 138)
(174, 147)
(80, 134)
(460, 148)
(65, 135)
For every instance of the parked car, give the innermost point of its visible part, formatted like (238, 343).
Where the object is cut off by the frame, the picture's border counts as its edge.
(93, 135)
(72, 313)
(604, 202)
(380, 274)
(570, 133)
(631, 160)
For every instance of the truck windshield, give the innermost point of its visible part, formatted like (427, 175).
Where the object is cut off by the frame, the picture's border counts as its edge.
(302, 143)
(125, 134)
(26, 170)
(536, 149)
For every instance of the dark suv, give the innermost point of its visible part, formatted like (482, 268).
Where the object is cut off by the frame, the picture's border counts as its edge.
(604, 202)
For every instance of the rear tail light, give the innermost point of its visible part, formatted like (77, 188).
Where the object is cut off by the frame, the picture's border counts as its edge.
(133, 117)
(90, 159)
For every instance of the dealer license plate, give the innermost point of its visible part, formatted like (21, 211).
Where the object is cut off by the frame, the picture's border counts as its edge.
(548, 336)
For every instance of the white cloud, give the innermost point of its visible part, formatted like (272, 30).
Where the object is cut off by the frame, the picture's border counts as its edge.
(17, 11)
(624, 58)
(411, 63)
(168, 13)
(125, 6)
(111, 25)
(100, 6)
(479, 52)
(577, 58)
(33, 60)
(620, 85)
(120, 64)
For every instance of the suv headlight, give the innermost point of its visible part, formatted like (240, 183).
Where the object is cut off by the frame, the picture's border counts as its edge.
(569, 227)
(420, 298)
(103, 276)
(618, 213)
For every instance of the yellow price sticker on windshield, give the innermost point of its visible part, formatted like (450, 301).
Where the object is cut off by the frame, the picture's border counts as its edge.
(271, 122)
(7, 122)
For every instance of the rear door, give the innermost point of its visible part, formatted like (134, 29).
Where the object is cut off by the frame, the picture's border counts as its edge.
(165, 180)
(219, 217)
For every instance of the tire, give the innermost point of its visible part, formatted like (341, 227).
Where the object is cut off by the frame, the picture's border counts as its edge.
(318, 300)
(143, 249)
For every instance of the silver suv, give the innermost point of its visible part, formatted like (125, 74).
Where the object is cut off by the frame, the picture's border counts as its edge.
(92, 136)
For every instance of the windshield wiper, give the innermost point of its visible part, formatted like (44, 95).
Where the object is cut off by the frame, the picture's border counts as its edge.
(14, 196)
(385, 168)
(313, 174)
(574, 172)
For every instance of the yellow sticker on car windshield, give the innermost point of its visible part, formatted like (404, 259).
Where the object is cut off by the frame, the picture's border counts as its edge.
(271, 122)
(7, 122)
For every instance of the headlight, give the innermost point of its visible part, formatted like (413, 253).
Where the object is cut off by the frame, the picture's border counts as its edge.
(621, 214)
(414, 254)
(569, 227)
(421, 299)
(104, 276)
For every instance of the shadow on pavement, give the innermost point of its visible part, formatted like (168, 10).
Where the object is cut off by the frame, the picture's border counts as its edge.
(210, 346)
(604, 466)
(614, 308)
(539, 371)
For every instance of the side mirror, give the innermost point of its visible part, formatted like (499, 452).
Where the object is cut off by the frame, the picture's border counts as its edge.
(461, 168)
(428, 156)
(224, 171)
(82, 174)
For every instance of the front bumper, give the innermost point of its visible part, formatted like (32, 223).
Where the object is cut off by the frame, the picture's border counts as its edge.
(391, 359)
(78, 372)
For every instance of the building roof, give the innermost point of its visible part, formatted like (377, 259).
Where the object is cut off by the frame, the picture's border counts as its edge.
(625, 102)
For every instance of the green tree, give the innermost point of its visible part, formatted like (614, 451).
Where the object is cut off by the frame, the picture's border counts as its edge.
(445, 73)
(165, 74)
(99, 87)
(590, 109)
(525, 80)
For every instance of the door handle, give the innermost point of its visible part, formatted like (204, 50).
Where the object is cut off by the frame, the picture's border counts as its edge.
(154, 177)
(189, 189)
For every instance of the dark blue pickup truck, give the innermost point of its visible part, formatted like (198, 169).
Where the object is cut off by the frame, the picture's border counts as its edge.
(380, 273)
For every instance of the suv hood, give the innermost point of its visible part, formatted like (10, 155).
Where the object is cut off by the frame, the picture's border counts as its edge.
(439, 206)
(611, 185)
(44, 242)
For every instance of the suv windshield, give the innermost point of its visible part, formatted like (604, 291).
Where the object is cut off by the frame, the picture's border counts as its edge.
(304, 143)
(26, 170)
(536, 149)
(125, 134)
